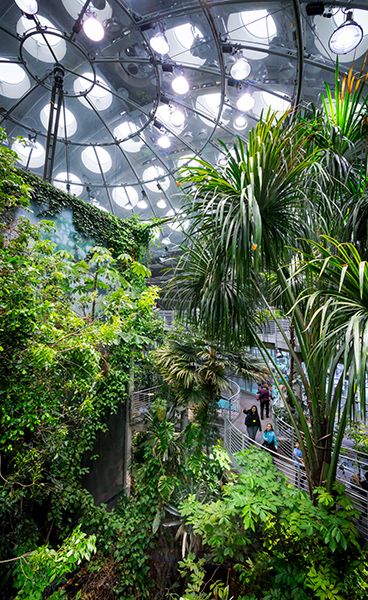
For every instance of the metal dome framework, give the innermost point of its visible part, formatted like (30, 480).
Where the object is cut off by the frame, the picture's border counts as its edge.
(97, 117)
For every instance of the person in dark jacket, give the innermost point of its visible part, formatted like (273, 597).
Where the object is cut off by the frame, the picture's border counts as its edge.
(265, 400)
(252, 421)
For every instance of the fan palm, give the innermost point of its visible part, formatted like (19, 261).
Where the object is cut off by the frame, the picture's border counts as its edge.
(197, 370)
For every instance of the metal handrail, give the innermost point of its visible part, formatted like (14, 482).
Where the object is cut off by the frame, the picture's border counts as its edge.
(236, 440)
(286, 431)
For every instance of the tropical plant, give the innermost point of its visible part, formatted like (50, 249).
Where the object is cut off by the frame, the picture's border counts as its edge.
(257, 213)
(197, 371)
(263, 538)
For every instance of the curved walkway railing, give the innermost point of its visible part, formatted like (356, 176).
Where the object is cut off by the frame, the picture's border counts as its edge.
(236, 440)
(231, 396)
(352, 463)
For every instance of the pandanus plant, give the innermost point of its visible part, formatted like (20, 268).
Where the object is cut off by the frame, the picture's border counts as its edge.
(260, 217)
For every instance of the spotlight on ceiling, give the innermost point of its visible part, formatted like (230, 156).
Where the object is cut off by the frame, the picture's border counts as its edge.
(240, 123)
(245, 102)
(28, 7)
(93, 28)
(159, 43)
(240, 68)
(177, 117)
(180, 85)
(346, 37)
(164, 141)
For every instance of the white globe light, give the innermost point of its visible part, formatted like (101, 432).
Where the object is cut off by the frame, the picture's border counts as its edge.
(180, 85)
(93, 29)
(29, 7)
(177, 118)
(346, 37)
(245, 102)
(240, 69)
(240, 122)
(164, 141)
(159, 44)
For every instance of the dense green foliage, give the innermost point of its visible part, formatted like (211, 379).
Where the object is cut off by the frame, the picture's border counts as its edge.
(197, 373)
(264, 539)
(69, 333)
(14, 190)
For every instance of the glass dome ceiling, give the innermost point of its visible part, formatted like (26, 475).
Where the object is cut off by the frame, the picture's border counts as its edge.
(112, 119)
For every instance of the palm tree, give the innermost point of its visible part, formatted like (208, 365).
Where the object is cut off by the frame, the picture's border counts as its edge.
(256, 215)
(197, 371)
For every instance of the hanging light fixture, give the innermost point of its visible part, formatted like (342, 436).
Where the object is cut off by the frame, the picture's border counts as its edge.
(93, 28)
(164, 141)
(245, 102)
(180, 85)
(346, 37)
(177, 117)
(28, 7)
(159, 43)
(240, 122)
(240, 68)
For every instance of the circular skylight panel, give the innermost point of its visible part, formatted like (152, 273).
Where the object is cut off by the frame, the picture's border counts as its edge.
(171, 116)
(253, 27)
(245, 102)
(38, 44)
(259, 23)
(126, 197)
(74, 7)
(153, 173)
(178, 224)
(29, 7)
(30, 154)
(275, 102)
(210, 104)
(266, 100)
(181, 39)
(142, 204)
(62, 180)
(14, 81)
(161, 204)
(99, 96)
(96, 159)
(70, 121)
(124, 130)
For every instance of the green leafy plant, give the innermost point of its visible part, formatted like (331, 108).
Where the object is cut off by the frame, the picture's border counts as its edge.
(45, 566)
(270, 541)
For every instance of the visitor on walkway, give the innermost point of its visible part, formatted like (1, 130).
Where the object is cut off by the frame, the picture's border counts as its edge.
(252, 421)
(269, 438)
(264, 397)
(299, 464)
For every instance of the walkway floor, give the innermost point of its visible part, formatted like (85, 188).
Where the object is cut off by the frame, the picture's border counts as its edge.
(246, 400)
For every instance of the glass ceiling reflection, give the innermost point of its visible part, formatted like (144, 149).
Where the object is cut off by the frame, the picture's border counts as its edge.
(131, 116)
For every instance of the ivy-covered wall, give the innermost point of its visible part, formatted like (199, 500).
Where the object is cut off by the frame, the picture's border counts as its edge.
(119, 235)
